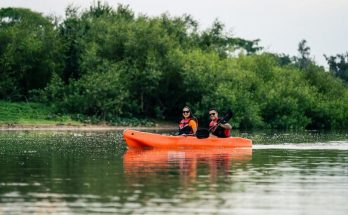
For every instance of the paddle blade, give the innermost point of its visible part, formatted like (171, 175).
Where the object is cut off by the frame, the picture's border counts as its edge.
(202, 133)
(227, 116)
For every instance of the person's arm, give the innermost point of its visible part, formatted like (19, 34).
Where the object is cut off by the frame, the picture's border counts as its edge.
(193, 125)
(226, 126)
(194, 130)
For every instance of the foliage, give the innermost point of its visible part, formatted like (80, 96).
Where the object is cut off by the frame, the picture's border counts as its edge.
(106, 64)
(31, 113)
(29, 48)
(224, 44)
(339, 65)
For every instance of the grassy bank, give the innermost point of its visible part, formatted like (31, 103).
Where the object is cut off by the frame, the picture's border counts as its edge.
(22, 113)
(28, 113)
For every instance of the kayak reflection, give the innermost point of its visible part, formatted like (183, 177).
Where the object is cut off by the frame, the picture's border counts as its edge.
(143, 163)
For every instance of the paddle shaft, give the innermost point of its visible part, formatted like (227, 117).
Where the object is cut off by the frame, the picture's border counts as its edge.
(226, 118)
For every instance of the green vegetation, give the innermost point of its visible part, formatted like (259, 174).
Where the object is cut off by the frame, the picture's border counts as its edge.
(31, 114)
(339, 65)
(107, 64)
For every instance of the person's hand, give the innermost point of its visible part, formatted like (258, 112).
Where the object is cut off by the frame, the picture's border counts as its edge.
(222, 121)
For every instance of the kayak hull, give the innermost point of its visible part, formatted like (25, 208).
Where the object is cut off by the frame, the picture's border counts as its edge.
(138, 139)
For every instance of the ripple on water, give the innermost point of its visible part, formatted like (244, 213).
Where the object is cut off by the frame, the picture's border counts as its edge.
(332, 145)
(81, 173)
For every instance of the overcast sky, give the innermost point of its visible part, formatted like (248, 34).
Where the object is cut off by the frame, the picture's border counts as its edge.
(279, 24)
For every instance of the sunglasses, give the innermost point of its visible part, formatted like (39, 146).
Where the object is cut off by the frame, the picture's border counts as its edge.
(211, 114)
(185, 111)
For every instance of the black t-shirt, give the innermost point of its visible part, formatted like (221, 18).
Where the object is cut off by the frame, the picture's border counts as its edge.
(219, 131)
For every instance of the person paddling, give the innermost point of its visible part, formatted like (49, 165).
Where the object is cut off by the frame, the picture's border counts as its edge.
(217, 126)
(188, 123)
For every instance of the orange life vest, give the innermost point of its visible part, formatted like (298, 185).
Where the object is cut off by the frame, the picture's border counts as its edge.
(184, 127)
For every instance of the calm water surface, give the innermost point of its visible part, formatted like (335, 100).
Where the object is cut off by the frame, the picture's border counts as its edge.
(92, 172)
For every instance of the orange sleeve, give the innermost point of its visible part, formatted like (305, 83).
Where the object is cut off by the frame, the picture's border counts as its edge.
(193, 124)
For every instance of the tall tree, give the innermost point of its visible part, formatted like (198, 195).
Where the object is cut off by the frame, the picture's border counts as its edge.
(339, 65)
(304, 50)
(217, 39)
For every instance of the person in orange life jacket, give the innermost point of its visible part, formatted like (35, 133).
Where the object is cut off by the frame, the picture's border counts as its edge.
(188, 123)
(217, 126)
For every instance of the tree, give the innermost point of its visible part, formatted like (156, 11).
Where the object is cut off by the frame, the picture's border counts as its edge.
(304, 60)
(339, 65)
(216, 39)
(29, 52)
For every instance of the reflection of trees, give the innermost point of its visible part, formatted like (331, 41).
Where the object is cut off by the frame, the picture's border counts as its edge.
(301, 162)
(64, 162)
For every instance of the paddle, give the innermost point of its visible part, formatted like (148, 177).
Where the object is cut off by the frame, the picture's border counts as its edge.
(202, 133)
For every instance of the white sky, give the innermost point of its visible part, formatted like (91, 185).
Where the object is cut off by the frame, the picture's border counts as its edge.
(279, 24)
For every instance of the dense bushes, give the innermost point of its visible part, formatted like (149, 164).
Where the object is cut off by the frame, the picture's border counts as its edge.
(30, 51)
(107, 64)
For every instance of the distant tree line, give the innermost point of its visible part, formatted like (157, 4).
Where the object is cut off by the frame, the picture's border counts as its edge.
(107, 62)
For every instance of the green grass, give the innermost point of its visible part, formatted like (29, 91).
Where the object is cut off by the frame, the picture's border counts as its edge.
(23, 113)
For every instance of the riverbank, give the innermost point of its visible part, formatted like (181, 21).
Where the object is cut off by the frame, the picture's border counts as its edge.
(35, 116)
(84, 127)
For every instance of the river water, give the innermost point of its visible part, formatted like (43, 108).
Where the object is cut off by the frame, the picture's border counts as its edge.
(93, 173)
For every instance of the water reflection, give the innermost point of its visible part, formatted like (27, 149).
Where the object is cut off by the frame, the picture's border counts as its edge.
(189, 164)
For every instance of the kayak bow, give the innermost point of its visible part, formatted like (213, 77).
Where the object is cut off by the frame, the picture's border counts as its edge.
(138, 139)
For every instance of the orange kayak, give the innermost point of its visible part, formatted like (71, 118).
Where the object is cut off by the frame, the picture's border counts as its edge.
(138, 139)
